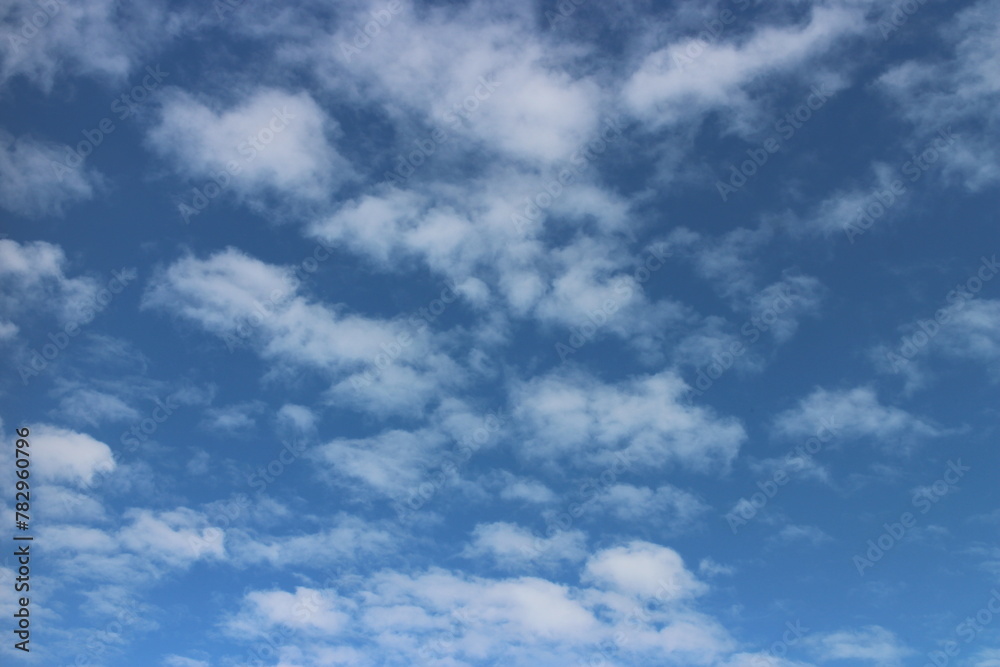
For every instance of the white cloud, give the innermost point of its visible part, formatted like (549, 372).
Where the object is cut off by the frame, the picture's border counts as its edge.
(649, 419)
(280, 141)
(872, 644)
(390, 463)
(59, 503)
(346, 537)
(795, 465)
(960, 90)
(472, 240)
(526, 490)
(663, 90)
(795, 533)
(460, 619)
(781, 305)
(728, 262)
(502, 613)
(91, 38)
(146, 546)
(760, 659)
(641, 569)
(198, 464)
(174, 537)
(306, 610)
(514, 547)
(297, 419)
(853, 414)
(248, 302)
(841, 211)
(91, 406)
(429, 67)
(967, 330)
(666, 505)
(181, 661)
(34, 281)
(35, 180)
(710, 568)
(233, 419)
(989, 657)
(638, 595)
(973, 333)
(66, 456)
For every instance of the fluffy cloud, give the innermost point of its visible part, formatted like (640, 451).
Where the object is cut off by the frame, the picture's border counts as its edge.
(669, 86)
(853, 414)
(472, 237)
(174, 537)
(639, 597)
(512, 547)
(346, 538)
(526, 490)
(960, 90)
(91, 406)
(649, 419)
(276, 140)
(972, 333)
(97, 38)
(35, 281)
(390, 463)
(181, 661)
(147, 546)
(35, 180)
(638, 568)
(872, 644)
(474, 72)
(67, 456)
(306, 610)
(666, 505)
(248, 302)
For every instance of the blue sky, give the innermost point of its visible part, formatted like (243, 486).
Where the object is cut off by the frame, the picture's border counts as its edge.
(503, 333)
